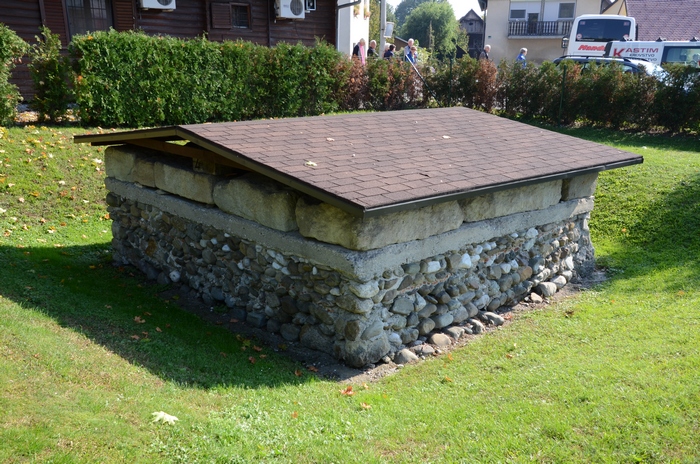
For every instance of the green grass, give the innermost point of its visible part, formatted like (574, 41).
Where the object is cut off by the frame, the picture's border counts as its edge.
(608, 376)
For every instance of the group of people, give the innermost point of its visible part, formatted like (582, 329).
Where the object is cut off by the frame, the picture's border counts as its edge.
(484, 55)
(410, 52)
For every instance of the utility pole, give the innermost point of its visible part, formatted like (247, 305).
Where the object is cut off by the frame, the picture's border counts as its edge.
(382, 27)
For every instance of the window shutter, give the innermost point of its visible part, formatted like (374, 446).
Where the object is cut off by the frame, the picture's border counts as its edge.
(123, 15)
(55, 20)
(221, 16)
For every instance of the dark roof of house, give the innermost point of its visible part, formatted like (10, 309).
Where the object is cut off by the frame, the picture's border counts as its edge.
(471, 15)
(670, 19)
(370, 164)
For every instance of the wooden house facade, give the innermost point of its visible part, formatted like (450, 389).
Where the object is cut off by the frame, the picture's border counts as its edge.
(257, 21)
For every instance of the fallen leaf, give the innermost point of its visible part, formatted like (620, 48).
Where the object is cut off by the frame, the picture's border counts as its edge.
(223, 354)
(158, 329)
(295, 415)
(347, 391)
(365, 386)
(233, 321)
(307, 163)
(251, 359)
(146, 313)
(447, 379)
(135, 337)
(449, 357)
(298, 373)
(263, 356)
(257, 348)
(312, 368)
(365, 406)
(509, 356)
(138, 320)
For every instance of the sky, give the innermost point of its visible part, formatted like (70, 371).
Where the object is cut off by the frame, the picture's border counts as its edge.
(461, 7)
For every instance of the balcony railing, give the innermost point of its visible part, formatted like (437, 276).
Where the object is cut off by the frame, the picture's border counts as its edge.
(539, 28)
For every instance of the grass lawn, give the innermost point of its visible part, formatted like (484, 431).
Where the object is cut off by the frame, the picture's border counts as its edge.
(88, 352)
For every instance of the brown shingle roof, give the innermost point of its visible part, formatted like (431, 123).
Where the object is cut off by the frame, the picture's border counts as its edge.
(670, 19)
(361, 163)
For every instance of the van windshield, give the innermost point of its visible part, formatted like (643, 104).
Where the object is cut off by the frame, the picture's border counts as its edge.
(602, 30)
(682, 54)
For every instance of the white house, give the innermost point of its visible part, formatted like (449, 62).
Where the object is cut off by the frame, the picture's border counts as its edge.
(537, 25)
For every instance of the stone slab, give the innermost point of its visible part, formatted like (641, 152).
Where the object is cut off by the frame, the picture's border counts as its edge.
(259, 199)
(329, 224)
(579, 187)
(359, 265)
(178, 178)
(130, 164)
(511, 201)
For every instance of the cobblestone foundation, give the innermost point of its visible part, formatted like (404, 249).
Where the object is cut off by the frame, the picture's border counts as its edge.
(359, 317)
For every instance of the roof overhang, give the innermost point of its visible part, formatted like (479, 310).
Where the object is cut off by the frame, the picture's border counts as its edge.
(359, 163)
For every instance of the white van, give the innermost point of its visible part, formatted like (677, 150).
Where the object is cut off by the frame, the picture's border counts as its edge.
(658, 52)
(590, 33)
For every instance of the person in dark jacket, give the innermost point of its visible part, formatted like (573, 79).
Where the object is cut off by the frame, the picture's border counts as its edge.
(389, 53)
(372, 50)
(359, 51)
(485, 53)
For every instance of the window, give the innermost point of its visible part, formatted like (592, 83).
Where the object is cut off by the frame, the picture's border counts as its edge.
(230, 16)
(240, 16)
(88, 16)
(517, 14)
(602, 30)
(566, 10)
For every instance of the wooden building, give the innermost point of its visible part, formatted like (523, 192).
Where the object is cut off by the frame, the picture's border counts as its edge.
(266, 22)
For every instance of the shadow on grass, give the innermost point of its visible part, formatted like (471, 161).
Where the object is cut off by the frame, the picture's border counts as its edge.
(114, 307)
(664, 233)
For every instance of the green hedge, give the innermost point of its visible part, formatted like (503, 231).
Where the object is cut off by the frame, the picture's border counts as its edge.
(12, 48)
(132, 79)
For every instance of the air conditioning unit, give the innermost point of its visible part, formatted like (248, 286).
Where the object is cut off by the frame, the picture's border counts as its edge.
(158, 4)
(290, 9)
(310, 5)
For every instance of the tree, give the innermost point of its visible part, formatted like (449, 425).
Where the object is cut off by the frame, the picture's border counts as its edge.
(375, 8)
(404, 9)
(432, 24)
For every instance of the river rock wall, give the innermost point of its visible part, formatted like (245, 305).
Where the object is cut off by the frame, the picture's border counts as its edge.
(359, 289)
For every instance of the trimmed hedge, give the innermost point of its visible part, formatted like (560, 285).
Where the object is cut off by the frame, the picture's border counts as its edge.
(12, 48)
(136, 80)
(132, 79)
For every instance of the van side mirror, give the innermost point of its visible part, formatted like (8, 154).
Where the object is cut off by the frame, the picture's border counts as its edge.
(564, 42)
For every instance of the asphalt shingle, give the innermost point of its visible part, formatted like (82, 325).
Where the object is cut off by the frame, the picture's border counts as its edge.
(367, 163)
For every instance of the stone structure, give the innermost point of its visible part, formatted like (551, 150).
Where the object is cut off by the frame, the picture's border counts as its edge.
(281, 255)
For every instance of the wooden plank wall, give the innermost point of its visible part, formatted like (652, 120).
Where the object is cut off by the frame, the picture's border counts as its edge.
(267, 30)
(191, 18)
(23, 17)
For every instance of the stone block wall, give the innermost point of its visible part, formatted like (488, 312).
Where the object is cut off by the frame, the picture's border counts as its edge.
(359, 289)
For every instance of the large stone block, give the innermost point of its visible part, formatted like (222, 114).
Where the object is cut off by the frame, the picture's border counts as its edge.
(517, 200)
(579, 187)
(259, 199)
(130, 164)
(359, 353)
(179, 179)
(329, 224)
